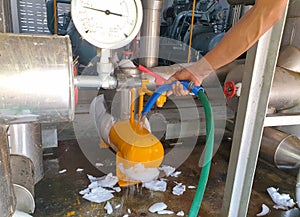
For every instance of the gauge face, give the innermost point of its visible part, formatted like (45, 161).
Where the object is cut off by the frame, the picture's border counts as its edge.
(107, 23)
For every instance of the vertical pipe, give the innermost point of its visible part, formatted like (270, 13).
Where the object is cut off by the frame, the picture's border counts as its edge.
(132, 91)
(150, 32)
(7, 197)
(26, 140)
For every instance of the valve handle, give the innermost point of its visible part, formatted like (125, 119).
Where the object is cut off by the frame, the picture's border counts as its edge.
(159, 80)
(230, 89)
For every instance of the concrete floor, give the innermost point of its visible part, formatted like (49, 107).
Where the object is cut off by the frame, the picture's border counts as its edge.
(58, 194)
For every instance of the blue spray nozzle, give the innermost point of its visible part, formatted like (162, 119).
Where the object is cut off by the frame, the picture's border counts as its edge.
(165, 87)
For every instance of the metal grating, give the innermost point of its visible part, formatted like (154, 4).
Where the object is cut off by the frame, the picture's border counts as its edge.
(33, 17)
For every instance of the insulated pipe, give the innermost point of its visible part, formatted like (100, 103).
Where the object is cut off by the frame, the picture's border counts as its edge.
(284, 93)
(36, 79)
(150, 32)
(280, 148)
(7, 197)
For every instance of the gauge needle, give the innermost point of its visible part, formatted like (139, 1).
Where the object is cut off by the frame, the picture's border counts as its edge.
(107, 12)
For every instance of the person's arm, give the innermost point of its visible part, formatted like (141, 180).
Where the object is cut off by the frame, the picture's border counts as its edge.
(260, 18)
(246, 32)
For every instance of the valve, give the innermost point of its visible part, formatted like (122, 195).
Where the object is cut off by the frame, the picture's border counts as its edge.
(230, 89)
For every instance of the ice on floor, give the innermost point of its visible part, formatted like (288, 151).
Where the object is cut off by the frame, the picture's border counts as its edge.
(105, 181)
(175, 174)
(99, 164)
(265, 210)
(62, 171)
(178, 189)
(169, 171)
(97, 190)
(98, 195)
(180, 213)
(108, 208)
(156, 185)
(165, 212)
(283, 201)
(157, 207)
(79, 170)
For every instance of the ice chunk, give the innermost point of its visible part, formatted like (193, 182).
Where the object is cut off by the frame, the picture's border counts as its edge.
(117, 189)
(99, 164)
(280, 207)
(162, 212)
(175, 174)
(139, 172)
(62, 171)
(265, 210)
(84, 191)
(79, 170)
(108, 208)
(168, 170)
(118, 206)
(105, 181)
(180, 213)
(156, 185)
(129, 211)
(282, 200)
(157, 207)
(98, 195)
(178, 189)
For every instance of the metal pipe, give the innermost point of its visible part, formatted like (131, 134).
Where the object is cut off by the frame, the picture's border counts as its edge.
(280, 148)
(7, 197)
(150, 32)
(25, 140)
(95, 81)
(298, 189)
(281, 97)
(36, 79)
(22, 177)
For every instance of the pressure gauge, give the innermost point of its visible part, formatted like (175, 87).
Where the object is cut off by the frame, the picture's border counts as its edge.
(107, 24)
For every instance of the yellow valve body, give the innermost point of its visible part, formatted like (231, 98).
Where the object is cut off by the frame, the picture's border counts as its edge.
(135, 145)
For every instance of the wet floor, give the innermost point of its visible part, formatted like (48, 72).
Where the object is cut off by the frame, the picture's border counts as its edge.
(58, 194)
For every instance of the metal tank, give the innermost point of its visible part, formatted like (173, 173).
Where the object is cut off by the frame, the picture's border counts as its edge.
(280, 148)
(36, 79)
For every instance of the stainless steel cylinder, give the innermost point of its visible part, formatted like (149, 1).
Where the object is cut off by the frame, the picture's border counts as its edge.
(22, 171)
(284, 93)
(7, 197)
(280, 148)
(150, 32)
(25, 140)
(36, 79)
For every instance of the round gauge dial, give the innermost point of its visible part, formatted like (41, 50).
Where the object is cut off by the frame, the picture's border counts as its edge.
(107, 23)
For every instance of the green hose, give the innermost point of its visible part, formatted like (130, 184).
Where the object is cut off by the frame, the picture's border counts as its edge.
(207, 155)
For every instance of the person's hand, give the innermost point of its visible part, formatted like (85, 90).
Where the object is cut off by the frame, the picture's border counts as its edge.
(195, 73)
(177, 87)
